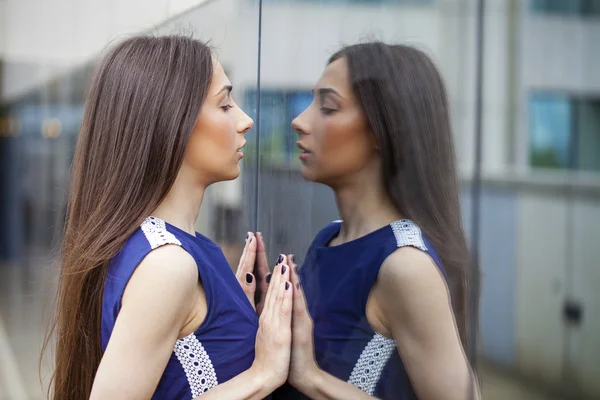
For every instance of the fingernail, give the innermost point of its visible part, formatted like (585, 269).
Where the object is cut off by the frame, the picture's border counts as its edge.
(283, 270)
(292, 257)
(280, 259)
(248, 277)
(247, 236)
(287, 285)
(269, 278)
(298, 285)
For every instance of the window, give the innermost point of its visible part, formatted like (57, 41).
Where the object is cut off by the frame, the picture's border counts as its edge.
(568, 7)
(277, 110)
(564, 132)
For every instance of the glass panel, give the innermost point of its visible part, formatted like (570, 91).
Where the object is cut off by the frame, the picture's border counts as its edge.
(292, 211)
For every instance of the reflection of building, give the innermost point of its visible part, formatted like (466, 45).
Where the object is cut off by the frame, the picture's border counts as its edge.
(541, 198)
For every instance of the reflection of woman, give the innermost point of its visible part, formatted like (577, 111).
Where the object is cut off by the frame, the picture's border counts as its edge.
(146, 306)
(378, 133)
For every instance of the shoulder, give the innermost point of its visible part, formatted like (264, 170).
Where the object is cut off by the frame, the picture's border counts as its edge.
(331, 227)
(328, 230)
(326, 233)
(410, 279)
(169, 269)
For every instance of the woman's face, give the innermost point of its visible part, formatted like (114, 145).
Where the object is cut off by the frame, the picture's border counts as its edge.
(215, 146)
(334, 134)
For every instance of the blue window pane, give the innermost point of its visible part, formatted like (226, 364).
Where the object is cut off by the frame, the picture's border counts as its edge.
(277, 110)
(550, 125)
(297, 103)
(566, 7)
(300, 102)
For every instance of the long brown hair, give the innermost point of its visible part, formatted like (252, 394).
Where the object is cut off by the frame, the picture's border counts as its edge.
(141, 108)
(404, 98)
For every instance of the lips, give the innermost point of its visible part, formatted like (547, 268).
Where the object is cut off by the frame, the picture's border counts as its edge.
(301, 147)
(240, 149)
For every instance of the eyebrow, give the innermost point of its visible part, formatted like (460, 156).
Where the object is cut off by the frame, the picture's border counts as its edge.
(326, 91)
(227, 88)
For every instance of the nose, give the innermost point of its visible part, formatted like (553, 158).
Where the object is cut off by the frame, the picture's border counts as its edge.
(300, 125)
(245, 123)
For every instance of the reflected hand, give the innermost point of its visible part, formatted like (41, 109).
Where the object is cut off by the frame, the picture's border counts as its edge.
(303, 367)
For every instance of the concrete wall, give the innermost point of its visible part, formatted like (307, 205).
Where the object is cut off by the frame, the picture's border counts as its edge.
(555, 53)
(45, 38)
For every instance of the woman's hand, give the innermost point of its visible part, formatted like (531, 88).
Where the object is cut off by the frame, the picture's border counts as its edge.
(254, 248)
(303, 367)
(263, 271)
(274, 336)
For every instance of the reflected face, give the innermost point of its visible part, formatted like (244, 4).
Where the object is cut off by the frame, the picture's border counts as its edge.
(215, 146)
(334, 133)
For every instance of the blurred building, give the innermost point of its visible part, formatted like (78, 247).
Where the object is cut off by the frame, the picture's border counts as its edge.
(540, 203)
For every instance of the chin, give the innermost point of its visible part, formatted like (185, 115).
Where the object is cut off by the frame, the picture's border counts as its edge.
(234, 175)
(308, 175)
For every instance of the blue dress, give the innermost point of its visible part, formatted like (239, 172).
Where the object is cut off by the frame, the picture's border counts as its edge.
(223, 346)
(337, 281)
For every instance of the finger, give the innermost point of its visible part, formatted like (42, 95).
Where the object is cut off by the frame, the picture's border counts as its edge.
(243, 265)
(283, 287)
(299, 302)
(262, 263)
(292, 261)
(239, 273)
(249, 287)
(271, 289)
(269, 276)
(280, 275)
(285, 313)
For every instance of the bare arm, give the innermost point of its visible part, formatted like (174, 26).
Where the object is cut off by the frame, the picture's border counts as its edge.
(416, 306)
(157, 303)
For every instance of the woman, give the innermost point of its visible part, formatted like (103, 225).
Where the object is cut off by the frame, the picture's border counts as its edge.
(386, 324)
(147, 307)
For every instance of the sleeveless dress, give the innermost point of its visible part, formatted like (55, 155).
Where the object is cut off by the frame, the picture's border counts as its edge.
(337, 281)
(223, 346)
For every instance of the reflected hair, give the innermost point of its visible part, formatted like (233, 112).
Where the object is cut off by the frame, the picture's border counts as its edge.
(404, 98)
(141, 108)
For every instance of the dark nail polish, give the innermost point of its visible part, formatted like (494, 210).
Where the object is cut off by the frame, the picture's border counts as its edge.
(298, 285)
(248, 278)
(247, 236)
(283, 270)
(269, 278)
(287, 285)
(292, 258)
(280, 259)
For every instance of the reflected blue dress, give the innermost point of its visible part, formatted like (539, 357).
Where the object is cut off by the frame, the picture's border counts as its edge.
(337, 281)
(223, 346)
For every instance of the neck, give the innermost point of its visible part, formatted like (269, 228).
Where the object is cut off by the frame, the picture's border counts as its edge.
(182, 204)
(364, 207)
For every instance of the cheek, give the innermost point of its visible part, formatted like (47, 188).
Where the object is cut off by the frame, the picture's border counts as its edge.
(342, 146)
(211, 143)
